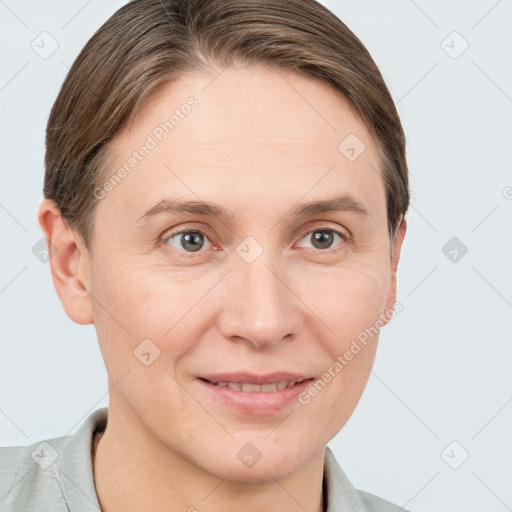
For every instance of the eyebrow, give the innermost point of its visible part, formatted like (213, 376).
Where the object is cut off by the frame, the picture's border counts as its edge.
(344, 202)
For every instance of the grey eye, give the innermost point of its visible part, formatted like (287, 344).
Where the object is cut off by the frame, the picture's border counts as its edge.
(189, 241)
(323, 238)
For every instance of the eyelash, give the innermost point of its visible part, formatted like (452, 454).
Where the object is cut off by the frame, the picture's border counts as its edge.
(167, 236)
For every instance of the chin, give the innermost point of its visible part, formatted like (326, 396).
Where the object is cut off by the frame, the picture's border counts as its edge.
(261, 472)
(249, 464)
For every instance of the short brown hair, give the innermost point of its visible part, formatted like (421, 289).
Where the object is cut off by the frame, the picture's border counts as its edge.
(148, 43)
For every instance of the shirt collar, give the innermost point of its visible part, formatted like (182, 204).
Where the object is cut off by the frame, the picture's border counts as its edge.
(75, 465)
(340, 494)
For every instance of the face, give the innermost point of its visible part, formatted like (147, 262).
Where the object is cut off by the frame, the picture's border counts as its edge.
(259, 289)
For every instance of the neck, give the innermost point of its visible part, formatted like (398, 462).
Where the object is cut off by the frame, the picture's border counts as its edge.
(133, 472)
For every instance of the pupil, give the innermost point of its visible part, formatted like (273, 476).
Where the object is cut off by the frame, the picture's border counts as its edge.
(322, 239)
(192, 241)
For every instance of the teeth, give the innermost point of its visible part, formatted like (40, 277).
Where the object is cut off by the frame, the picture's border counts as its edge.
(251, 388)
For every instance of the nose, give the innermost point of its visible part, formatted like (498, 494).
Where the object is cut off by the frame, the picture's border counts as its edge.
(259, 307)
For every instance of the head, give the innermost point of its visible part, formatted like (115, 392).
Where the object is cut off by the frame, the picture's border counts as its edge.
(272, 123)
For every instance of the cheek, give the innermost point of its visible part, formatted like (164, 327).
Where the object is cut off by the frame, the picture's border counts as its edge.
(134, 293)
(352, 309)
(352, 306)
(135, 302)
(347, 299)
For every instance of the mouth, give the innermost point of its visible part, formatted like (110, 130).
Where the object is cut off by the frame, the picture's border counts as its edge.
(254, 394)
(251, 387)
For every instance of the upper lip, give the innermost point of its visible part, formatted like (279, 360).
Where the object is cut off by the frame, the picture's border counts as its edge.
(251, 378)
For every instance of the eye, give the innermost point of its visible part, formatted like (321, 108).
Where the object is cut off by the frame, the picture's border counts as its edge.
(323, 238)
(193, 240)
(189, 240)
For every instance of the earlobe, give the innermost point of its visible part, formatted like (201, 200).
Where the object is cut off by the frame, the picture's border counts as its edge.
(69, 263)
(397, 247)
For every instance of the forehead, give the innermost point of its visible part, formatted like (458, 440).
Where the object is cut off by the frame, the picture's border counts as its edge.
(245, 131)
(246, 105)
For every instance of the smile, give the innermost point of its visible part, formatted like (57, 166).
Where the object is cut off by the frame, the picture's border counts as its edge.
(255, 395)
(251, 388)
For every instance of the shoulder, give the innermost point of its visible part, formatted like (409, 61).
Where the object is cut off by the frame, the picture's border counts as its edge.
(373, 503)
(50, 474)
(28, 474)
(341, 495)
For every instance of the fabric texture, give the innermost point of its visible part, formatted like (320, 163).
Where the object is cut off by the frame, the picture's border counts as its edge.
(56, 475)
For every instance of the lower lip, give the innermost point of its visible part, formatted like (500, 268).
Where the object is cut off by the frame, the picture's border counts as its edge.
(256, 402)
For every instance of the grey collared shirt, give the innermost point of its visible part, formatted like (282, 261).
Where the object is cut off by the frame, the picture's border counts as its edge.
(56, 475)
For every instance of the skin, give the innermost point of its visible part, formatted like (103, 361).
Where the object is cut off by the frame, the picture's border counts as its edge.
(256, 146)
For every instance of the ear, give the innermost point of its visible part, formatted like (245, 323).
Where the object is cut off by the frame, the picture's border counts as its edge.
(69, 262)
(395, 257)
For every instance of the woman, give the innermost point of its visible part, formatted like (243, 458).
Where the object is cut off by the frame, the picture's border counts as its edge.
(225, 193)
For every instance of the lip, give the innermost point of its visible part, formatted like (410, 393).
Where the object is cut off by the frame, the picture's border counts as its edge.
(255, 403)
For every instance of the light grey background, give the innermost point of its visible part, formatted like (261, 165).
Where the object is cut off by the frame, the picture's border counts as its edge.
(443, 367)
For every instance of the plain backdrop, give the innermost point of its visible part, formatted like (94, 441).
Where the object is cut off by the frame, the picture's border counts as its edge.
(433, 429)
